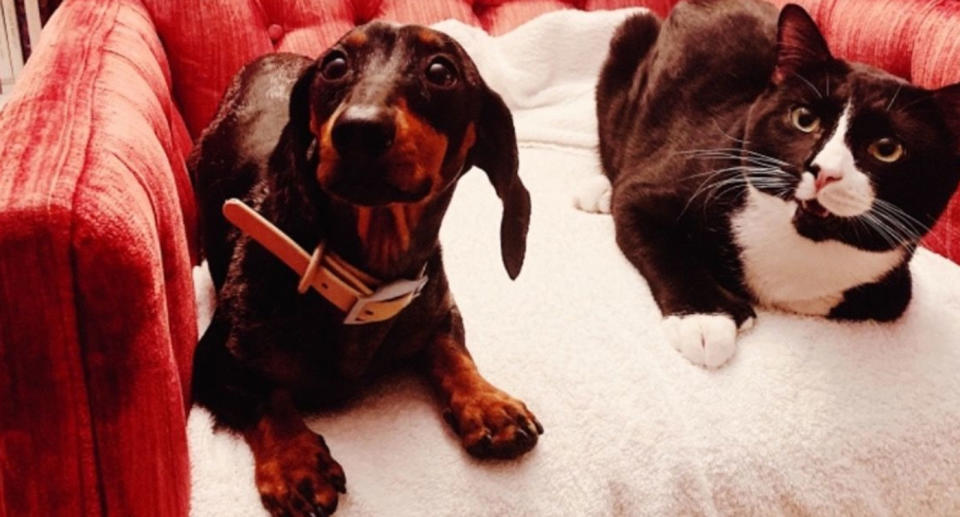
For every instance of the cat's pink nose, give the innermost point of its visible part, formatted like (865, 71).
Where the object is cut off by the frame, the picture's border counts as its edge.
(827, 176)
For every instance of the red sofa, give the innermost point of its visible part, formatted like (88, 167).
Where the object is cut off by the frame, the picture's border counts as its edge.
(97, 219)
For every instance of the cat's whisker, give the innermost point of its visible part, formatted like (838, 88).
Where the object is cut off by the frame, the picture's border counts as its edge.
(868, 223)
(765, 177)
(748, 171)
(718, 155)
(748, 162)
(897, 225)
(779, 174)
(720, 191)
(765, 157)
(714, 186)
(881, 229)
(858, 223)
(899, 237)
(894, 98)
(727, 169)
(707, 184)
(808, 83)
(734, 152)
(904, 231)
(728, 135)
(925, 97)
(768, 179)
(767, 182)
(898, 212)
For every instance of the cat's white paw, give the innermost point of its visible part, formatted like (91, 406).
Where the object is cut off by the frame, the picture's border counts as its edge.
(708, 340)
(594, 195)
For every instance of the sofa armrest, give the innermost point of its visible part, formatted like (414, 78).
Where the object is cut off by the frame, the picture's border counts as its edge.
(97, 320)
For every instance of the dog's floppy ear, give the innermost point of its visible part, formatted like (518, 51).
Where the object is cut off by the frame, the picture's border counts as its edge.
(297, 148)
(495, 151)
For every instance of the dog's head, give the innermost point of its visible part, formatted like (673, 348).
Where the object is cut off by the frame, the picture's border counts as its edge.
(395, 114)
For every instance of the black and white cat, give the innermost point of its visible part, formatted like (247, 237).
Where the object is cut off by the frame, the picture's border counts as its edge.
(748, 165)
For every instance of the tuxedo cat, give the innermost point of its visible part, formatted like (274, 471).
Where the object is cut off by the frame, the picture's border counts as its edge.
(750, 166)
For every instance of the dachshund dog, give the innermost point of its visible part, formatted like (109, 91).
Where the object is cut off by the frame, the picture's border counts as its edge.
(356, 153)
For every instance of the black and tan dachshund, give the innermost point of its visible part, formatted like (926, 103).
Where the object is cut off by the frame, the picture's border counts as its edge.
(359, 150)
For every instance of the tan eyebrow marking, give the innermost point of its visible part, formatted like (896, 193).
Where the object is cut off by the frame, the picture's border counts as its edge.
(429, 37)
(357, 39)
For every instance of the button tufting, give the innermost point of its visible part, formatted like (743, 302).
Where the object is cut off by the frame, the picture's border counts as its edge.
(275, 31)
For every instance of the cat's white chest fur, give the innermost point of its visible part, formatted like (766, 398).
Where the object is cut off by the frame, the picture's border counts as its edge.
(786, 270)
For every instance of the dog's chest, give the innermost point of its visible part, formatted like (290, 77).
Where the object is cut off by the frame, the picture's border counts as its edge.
(786, 270)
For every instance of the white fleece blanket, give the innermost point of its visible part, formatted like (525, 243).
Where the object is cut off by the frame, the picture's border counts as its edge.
(810, 417)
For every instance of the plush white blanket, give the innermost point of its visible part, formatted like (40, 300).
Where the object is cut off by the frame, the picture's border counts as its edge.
(810, 417)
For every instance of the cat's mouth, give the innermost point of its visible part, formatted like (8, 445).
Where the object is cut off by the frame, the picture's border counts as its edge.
(813, 207)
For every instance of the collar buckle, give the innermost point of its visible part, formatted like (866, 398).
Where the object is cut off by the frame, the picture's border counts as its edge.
(384, 303)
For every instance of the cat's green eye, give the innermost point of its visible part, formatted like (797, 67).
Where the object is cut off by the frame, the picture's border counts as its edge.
(886, 150)
(804, 119)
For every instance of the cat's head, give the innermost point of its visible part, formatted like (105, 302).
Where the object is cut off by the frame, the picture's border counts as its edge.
(868, 158)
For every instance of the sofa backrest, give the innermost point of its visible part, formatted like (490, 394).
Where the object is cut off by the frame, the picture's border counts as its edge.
(207, 41)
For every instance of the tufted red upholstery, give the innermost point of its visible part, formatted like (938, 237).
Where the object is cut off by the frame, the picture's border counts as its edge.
(97, 218)
(306, 27)
(916, 39)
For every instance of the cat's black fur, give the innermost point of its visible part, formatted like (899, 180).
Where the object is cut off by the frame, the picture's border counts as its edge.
(723, 75)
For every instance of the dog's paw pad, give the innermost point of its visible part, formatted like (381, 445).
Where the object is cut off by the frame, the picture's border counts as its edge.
(492, 424)
(594, 195)
(708, 340)
(299, 477)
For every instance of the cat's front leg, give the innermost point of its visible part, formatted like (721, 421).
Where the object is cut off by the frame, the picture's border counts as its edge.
(701, 318)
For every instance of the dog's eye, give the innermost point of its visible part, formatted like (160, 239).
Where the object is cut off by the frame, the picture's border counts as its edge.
(804, 119)
(886, 150)
(440, 72)
(334, 66)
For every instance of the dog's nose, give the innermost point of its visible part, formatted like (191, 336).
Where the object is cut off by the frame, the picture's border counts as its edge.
(364, 131)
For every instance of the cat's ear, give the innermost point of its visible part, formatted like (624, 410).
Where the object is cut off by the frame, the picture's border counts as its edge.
(799, 43)
(948, 99)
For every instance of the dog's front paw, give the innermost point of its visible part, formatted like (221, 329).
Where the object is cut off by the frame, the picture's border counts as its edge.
(492, 424)
(708, 340)
(299, 477)
(594, 195)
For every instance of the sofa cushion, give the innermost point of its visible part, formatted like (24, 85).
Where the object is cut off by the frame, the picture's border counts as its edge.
(811, 417)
